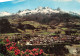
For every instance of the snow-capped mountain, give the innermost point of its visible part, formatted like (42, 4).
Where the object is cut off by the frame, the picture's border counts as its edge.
(24, 12)
(43, 10)
(4, 14)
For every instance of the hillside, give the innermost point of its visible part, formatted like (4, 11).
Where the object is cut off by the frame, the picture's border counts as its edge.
(42, 23)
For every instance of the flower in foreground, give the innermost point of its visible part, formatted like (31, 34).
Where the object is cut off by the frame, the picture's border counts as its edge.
(22, 52)
(36, 53)
(27, 54)
(34, 49)
(41, 51)
(7, 40)
(17, 51)
(11, 48)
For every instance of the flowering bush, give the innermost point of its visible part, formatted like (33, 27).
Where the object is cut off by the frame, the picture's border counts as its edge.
(7, 40)
(33, 52)
(17, 51)
(13, 50)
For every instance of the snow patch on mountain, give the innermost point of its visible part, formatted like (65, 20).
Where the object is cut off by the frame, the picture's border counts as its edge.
(43, 10)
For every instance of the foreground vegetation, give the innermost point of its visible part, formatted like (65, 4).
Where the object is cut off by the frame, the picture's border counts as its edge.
(58, 29)
(9, 48)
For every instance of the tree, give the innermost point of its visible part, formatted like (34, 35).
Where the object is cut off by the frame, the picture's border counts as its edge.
(20, 26)
(5, 26)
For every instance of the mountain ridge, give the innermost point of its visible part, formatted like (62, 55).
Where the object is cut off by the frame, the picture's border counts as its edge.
(43, 10)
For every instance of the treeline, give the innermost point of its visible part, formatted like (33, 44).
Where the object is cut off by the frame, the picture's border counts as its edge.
(54, 18)
(5, 26)
(50, 19)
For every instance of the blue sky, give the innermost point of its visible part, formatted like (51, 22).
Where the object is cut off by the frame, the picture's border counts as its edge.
(13, 6)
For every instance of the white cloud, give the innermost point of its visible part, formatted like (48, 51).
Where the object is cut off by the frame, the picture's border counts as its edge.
(62, 0)
(17, 1)
(5, 0)
(14, 1)
(78, 0)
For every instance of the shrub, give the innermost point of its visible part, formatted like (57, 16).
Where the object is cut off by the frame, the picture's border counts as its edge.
(15, 50)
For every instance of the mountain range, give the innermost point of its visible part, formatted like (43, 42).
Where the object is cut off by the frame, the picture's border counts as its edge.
(42, 10)
(42, 16)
